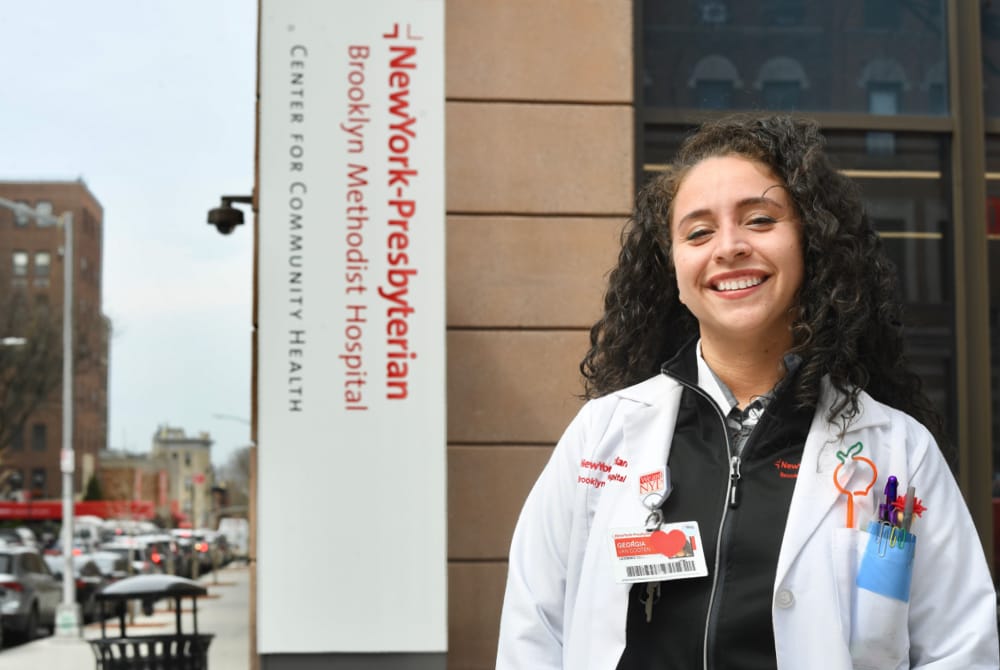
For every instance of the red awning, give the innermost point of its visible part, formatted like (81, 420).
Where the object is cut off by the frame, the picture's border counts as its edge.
(52, 509)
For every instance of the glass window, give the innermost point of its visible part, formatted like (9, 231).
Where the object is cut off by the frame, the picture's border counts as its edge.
(784, 12)
(714, 94)
(989, 13)
(783, 95)
(31, 563)
(43, 264)
(993, 259)
(38, 437)
(21, 217)
(937, 98)
(38, 480)
(839, 48)
(17, 440)
(907, 195)
(713, 11)
(883, 14)
(883, 97)
(44, 208)
(19, 263)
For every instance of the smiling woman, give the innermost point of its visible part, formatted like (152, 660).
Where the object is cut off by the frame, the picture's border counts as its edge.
(737, 254)
(748, 359)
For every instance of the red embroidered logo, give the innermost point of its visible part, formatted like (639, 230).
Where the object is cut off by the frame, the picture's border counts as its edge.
(651, 482)
(787, 470)
(592, 471)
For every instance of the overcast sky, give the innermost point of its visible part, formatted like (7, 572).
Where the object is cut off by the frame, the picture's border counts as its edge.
(151, 103)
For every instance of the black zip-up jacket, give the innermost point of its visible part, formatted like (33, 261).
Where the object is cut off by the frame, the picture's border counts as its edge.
(723, 620)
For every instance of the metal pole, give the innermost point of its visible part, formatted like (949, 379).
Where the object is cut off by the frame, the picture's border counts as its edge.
(68, 613)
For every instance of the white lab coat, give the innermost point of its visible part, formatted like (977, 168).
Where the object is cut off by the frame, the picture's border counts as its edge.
(563, 608)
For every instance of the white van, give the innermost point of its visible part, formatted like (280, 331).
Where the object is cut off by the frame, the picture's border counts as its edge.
(237, 532)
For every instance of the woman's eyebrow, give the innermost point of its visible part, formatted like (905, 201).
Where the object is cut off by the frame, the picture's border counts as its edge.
(745, 202)
(759, 200)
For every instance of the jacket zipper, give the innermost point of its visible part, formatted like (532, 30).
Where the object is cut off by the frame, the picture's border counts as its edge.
(731, 502)
(734, 481)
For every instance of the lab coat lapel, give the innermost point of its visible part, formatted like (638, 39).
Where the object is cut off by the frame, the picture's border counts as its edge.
(647, 432)
(815, 495)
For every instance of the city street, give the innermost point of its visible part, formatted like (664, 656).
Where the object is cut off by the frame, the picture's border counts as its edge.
(225, 612)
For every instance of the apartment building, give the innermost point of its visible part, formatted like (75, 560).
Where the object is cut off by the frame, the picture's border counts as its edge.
(32, 272)
(187, 461)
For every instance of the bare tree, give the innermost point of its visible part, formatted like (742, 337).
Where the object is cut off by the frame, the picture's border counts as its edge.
(235, 476)
(30, 372)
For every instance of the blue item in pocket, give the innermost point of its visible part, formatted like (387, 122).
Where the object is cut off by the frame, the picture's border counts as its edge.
(887, 564)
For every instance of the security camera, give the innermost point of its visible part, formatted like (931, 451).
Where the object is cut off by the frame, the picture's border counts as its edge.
(225, 218)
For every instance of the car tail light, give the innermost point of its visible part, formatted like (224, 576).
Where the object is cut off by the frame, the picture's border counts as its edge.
(80, 583)
(156, 557)
(77, 551)
(12, 586)
(201, 546)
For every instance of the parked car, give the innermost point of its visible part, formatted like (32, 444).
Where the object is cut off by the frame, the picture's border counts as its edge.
(165, 554)
(87, 536)
(187, 556)
(133, 550)
(55, 549)
(29, 593)
(89, 581)
(216, 548)
(19, 536)
(113, 566)
(194, 545)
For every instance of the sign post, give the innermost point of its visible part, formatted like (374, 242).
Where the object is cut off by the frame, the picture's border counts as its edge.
(351, 329)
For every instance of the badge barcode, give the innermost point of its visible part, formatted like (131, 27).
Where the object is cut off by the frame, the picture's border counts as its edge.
(660, 569)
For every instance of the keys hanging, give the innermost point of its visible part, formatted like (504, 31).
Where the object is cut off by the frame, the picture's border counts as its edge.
(652, 596)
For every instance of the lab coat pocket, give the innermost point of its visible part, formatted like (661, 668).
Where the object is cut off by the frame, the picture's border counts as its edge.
(845, 570)
(881, 593)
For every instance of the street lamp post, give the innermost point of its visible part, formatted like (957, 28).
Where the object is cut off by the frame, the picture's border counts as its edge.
(68, 617)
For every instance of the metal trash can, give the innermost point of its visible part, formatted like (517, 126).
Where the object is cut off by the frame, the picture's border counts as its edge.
(180, 651)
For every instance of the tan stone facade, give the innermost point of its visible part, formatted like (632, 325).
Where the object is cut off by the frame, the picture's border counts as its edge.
(540, 177)
(188, 462)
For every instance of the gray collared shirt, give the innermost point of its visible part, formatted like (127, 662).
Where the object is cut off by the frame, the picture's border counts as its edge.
(740, 422)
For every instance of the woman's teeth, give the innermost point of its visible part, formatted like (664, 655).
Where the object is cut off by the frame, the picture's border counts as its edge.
(737, 284)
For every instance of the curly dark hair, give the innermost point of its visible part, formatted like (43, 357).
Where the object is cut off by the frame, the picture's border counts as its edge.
(848, 318)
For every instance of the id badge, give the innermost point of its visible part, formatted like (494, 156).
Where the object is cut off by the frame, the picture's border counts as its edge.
(674, 551)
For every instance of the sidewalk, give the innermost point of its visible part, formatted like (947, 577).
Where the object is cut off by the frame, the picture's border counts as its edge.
(225, 612)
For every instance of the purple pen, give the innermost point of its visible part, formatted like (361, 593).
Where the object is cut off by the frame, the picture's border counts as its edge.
(891, 489)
